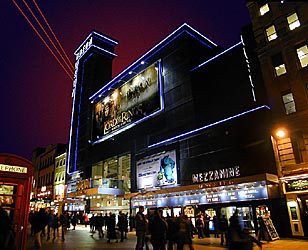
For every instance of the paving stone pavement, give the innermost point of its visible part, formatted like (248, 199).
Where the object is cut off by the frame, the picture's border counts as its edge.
(81, 239)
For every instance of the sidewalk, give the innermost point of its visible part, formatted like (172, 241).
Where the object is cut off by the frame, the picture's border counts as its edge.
(81, 239)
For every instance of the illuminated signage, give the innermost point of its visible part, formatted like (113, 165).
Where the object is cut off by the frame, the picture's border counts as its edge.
(15, 169)
(131, 102)
(233, 193)
(215, 175)
(297, 185)
(84, 48)
(157, 170)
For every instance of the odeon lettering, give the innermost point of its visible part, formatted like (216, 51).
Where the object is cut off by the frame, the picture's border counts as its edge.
(122, 119)
(215, 175)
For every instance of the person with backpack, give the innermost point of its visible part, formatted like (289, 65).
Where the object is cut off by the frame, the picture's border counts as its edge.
(7, 234)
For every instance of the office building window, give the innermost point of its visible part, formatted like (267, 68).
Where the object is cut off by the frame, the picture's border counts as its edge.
(279, 65)
(289, 103)
(302, 54)
(264, 9)
(271, 33)
(293, 21)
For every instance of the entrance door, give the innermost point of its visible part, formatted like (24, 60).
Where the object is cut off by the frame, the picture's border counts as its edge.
(295, 218)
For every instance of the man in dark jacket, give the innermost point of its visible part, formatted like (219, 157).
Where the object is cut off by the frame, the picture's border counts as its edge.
(158, 228)
(141, 226)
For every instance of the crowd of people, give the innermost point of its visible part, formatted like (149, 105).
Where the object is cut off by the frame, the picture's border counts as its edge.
(153, 230)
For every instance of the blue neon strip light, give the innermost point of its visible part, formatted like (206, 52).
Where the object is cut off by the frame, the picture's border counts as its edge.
(150, 53)
(106, 51)
(205, 127)
(218, 55)
(104, 38)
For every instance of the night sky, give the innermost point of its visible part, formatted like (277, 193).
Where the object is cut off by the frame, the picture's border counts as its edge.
(35, 91)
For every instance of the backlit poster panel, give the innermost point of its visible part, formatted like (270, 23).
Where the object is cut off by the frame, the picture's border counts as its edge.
(157, 170)
(128, 104)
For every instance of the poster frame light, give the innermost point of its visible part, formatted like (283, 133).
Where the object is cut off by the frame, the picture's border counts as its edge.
(158, 67)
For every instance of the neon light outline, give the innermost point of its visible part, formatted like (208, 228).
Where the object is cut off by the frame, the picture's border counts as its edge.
(205, 127)
(150, 53)
(162, 106)
(214, 57)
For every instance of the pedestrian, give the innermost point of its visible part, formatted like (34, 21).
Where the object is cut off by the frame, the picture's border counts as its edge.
(184, 232)
(261, 229)
(216, 227)
(86, 219)
(223, 229)
(131, 222)
(111, 227)
(50, 223)
(158, 228)
(206, 219)
(40, 221)
(99, 223)
(200, 226)
(64, 222)
(141, 226)
(171, 230)
(122, 225)
(31, 222)
(74, 220)
(235, 232)
(55, 226)
(7, 234)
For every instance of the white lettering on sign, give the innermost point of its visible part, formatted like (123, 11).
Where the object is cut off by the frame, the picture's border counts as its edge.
(15, 169)
(215, 175)
(84, 48)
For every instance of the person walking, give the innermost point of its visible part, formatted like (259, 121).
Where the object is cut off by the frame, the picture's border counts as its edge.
(50, 223)
(64, 222)
(141, 226)
(7, 234)
(122, 225)
(111, 228)
(40, 221)
(223, 229)
(158, 228)
(184, 232)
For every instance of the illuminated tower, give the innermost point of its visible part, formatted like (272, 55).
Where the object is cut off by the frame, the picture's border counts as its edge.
(92, 68)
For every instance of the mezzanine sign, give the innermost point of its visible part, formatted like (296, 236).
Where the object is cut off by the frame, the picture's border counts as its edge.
(215, 175)
(15, 169)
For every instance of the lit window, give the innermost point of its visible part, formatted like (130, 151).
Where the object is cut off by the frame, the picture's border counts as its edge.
(280, 67)
(302, 53)
(289, 103)
(293, 21)
(264, 9)
(271, 33)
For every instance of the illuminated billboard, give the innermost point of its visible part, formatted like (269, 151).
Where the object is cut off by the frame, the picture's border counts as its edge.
(157, 170)
(131, 103)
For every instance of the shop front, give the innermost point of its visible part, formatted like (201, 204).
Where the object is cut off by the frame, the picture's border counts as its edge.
(15, 190)
(296, 190)
(252, 197)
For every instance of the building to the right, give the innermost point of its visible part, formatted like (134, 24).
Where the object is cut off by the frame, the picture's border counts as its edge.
(280, 29)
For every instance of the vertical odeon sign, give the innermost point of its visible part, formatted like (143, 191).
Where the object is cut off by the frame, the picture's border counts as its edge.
(79, 53)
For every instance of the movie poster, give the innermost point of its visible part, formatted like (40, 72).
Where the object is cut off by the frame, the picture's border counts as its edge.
(157, 170)
(133, 101)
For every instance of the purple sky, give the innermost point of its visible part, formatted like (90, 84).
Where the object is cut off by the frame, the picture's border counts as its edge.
(35, 92)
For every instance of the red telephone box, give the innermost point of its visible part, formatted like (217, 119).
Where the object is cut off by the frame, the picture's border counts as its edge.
(16, 175)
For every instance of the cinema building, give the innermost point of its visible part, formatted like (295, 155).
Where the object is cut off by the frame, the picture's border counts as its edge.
(186, 127)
